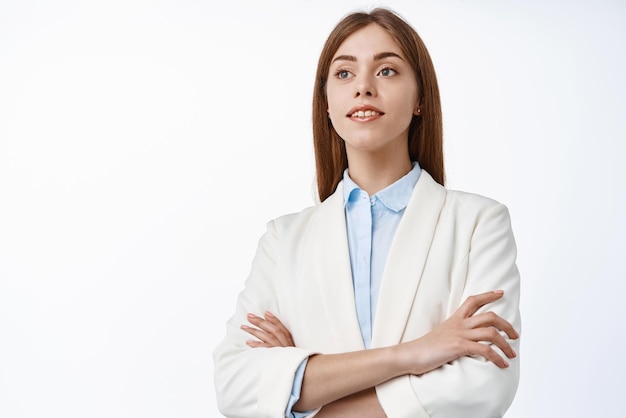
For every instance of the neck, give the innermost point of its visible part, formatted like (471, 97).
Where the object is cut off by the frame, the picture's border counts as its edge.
(374, 172)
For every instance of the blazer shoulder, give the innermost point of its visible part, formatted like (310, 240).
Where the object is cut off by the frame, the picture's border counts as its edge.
(296, 221)
(468, 198)
(293, 220)
(474, 209)
(455, 202)
(470, 202)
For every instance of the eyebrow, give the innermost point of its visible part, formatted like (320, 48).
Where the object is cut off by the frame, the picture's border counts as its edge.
(377, 57)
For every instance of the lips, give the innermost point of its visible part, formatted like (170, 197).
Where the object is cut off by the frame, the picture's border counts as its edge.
(364, 112)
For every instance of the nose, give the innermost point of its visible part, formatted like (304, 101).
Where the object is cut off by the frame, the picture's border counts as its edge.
(365, 87)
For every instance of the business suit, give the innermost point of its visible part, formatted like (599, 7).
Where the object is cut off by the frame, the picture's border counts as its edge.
(448, 246)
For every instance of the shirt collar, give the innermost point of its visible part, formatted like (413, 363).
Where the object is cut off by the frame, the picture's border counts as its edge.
(396, 196)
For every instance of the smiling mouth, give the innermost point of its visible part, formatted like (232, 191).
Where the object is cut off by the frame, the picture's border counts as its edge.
(365, 114)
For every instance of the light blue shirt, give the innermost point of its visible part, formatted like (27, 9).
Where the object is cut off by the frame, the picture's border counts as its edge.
(371, 223)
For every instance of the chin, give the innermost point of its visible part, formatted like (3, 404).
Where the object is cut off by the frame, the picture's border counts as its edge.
(369, 142)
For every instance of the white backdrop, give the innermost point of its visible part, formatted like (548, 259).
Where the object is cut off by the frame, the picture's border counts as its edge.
(144, 145)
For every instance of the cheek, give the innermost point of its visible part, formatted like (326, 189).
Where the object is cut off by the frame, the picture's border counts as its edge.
(409, 106)
(334, 107)
(330, 98)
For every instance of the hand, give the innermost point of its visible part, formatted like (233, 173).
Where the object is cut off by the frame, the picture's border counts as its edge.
(270, 331)
(461, 335)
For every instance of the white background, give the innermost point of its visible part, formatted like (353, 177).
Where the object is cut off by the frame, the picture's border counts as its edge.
(144, 145)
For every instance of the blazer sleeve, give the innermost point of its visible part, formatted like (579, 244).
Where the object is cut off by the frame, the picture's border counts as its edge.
(470, 386)
(256, 382)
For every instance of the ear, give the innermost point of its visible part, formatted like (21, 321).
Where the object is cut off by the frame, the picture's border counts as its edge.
(417, 111)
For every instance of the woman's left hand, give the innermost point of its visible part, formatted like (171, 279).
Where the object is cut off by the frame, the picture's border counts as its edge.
(270, 332)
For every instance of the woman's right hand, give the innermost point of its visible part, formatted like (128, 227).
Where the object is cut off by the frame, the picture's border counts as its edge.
(270, 331)
(463, 334)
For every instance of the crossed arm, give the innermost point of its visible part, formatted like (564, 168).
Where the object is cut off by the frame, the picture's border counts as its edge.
(343, 384)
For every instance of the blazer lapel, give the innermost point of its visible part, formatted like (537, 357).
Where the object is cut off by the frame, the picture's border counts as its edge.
(334, 273)
(406, 260)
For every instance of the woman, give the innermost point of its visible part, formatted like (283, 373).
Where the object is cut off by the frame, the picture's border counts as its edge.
(394, 296)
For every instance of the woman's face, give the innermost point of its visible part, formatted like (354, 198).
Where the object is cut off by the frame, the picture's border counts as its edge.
(372, 92)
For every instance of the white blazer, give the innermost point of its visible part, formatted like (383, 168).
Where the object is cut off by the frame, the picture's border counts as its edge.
(449, 245)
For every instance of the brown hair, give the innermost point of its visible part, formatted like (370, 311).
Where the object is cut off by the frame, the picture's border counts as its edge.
(425, 132)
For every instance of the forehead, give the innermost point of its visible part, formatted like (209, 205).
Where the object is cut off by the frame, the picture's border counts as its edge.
(367, 41)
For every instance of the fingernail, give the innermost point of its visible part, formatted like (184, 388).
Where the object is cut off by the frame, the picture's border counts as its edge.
(268, 313)
(506, 364)
(500, 292)
(244, 327)
(251, 315)
(514, 353)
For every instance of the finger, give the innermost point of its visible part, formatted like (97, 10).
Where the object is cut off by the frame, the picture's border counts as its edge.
(262, 335)
(491, 319)
(491, 335)
(257, 344)
(276, 335)
(278, 331)
(288, 339)
(487, 352)
(262, 323)
(475, 302)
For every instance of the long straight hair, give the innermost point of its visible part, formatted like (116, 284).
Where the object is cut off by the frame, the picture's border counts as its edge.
(425, 131)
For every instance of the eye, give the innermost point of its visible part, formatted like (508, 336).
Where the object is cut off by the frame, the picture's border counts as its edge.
(387, 72)
(342, 74)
